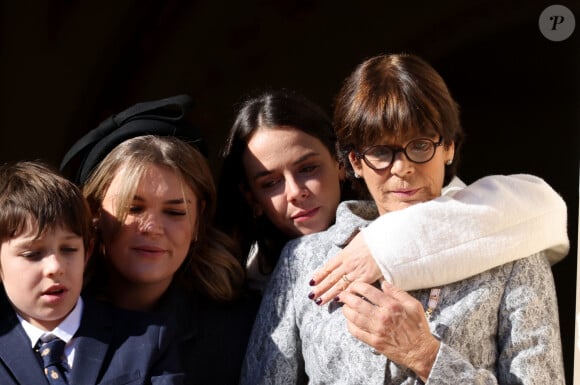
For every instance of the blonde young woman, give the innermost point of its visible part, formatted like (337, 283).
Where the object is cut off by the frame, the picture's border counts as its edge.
(153, 199)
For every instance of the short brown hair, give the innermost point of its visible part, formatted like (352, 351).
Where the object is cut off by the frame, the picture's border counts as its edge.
(32, 192)
(395, 95)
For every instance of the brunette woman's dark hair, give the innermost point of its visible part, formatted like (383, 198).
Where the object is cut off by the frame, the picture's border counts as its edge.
(281, 108)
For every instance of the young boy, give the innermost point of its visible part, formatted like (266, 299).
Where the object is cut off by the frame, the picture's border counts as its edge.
(45, 237)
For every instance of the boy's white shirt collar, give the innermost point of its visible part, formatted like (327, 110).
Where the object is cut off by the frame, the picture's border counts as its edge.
(65, 330)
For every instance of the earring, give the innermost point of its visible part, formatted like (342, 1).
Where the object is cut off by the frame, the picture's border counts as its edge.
(356, 175)
(448, 163)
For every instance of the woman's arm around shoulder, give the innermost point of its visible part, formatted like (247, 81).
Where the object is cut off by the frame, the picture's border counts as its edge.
(495, 220)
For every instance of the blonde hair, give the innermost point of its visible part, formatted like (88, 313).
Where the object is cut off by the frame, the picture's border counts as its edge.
(210, 266)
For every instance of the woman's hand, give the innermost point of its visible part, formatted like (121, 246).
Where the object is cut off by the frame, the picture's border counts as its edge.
(354, 263)
(393, 323)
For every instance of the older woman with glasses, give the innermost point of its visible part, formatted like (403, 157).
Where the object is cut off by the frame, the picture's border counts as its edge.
(399, 133)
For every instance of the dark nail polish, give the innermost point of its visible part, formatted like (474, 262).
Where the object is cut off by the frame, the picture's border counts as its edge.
(336, 299)
(311, 295)
(318, 301)
(312, 283)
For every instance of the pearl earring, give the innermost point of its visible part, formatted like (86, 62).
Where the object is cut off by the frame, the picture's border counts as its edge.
(449, 162)
(356, 175)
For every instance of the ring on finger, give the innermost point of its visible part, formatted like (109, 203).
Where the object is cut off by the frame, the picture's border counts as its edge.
(346, 280)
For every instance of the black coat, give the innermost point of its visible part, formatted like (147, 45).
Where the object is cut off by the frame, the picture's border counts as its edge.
(213, 335)
(112, 346)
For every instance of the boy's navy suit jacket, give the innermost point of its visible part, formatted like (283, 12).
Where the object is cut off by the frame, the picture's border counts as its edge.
(113, 347)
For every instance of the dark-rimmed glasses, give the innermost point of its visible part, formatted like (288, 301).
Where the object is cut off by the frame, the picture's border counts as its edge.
(380, 157)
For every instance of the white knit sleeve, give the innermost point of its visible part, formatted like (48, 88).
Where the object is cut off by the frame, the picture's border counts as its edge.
(495, 220)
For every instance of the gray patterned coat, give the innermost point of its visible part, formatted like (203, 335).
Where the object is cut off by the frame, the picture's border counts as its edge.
(498, 327)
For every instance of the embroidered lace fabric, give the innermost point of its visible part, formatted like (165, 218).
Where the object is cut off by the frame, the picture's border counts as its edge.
(500, 326)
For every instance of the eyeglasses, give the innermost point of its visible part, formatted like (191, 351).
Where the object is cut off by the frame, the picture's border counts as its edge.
(419, 151)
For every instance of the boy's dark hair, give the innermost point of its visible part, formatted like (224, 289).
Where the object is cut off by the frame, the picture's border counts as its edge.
(33, 192)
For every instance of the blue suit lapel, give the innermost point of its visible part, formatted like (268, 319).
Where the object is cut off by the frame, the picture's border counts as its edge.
(15, 351)
(94, 337)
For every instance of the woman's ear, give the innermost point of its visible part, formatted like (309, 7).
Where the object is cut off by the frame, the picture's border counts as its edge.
(355, 163)
(450, 153)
